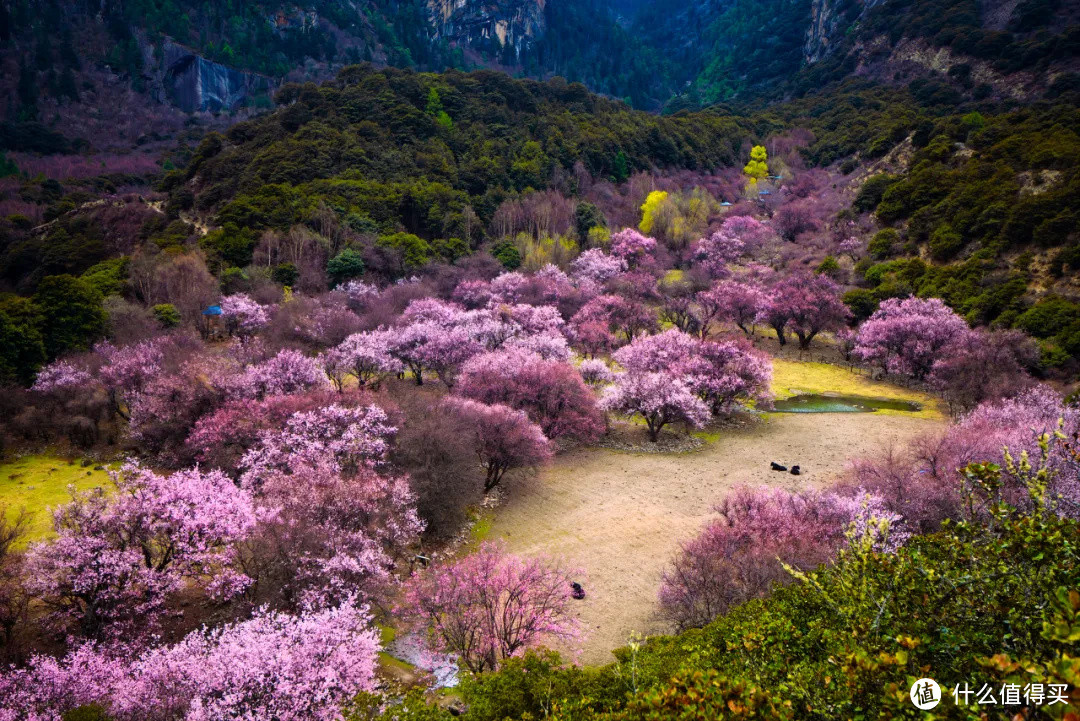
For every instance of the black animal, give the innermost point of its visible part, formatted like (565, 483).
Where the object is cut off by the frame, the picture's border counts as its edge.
(576, 591)
(777, 467)
(795, 471)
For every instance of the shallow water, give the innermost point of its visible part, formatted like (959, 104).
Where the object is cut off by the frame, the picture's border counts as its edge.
(828, 403)
(409, 647)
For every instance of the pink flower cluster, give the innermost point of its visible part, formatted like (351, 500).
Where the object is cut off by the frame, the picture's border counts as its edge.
(118, 556)
(741, 555)
(674, 377)
(550, 392)
(273, 665)
(60, 375)
(490, 606)
(242, 315)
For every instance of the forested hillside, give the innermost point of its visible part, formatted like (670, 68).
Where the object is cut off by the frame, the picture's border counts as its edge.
(473, 138)
(973, 203)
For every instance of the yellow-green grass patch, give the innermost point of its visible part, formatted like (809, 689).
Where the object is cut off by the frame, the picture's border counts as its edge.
(795, 377)
(674, 275)
(38, 483)
(480, 530)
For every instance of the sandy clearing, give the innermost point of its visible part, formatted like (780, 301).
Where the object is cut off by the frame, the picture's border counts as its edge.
(620, 516)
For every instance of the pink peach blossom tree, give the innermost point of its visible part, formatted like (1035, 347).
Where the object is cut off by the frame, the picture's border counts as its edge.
(490, 606)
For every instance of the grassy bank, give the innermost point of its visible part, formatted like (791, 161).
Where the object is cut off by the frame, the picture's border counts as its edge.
(40, 482)
(795, 377)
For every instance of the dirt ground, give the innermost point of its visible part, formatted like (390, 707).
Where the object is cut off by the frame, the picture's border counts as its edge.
(620, 516)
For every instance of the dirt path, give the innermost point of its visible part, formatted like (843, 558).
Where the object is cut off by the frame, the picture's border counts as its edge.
(620, 516)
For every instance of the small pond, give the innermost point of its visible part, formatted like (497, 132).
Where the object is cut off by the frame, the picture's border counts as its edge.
(827, 403)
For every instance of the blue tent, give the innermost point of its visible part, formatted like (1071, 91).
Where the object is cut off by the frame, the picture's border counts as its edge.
(212, 310)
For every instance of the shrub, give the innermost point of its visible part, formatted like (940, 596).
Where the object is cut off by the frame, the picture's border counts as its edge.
(871, 192)
(883, 244)
(945, 242)
(861, 302)
(167, 315)
(829, 266)
(344, 266)
(507, 253)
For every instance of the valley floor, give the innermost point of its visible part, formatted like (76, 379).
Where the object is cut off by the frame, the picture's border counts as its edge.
(620, 516)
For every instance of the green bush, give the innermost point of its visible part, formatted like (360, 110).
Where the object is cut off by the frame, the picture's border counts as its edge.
(414, 251)
(883, 244)
(286, 274)
(829, 266)
(89, 712)
(861, 302)
(450, 249)
(230, 244)
(944, 243)
(109, 276)
(869, 195)
(507, 253)
(346, 265)
(1049, 316)
(72, 317)
(22, 348)
(167, 315)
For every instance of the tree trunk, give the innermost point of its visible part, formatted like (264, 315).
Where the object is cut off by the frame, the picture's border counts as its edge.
(654, 425)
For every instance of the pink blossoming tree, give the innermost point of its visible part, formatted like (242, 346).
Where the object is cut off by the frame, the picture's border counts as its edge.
(490, 606)
(335, 519)
(595, 371)
(659, 398)
(273, 665)
(60, 375)
(806, 304)
(550, 392)
(596, 266)
(632, 247)
(731, 301)
(119, 555)
(365, 356)
(907, 336)
(290, 371)
(504, 438)
(722, 374)
(740, 555)
(243, 316)
(629, 318)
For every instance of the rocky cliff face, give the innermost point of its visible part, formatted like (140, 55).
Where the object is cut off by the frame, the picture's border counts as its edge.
(196, 84)
(829, 20)
(485, 24)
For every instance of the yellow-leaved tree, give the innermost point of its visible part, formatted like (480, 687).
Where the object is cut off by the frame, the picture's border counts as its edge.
(758, 167)
(651, 211)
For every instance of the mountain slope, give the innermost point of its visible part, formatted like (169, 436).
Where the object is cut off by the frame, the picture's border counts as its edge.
(746, 49)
